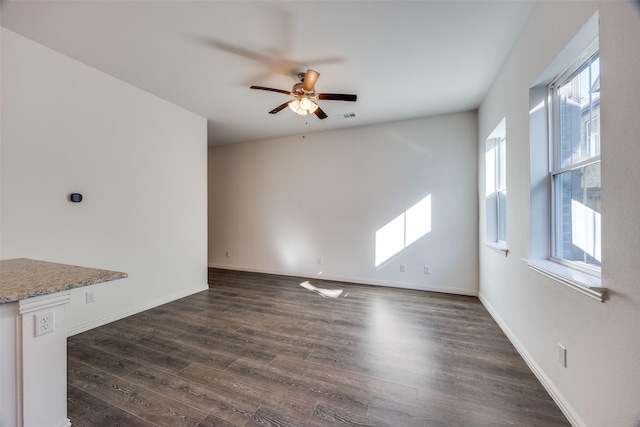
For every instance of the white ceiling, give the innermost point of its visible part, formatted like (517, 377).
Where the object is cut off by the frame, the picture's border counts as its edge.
(404, 59)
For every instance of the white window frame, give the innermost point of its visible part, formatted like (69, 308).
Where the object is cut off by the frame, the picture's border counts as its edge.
(495, 168)
(501, 188)
(555, 167)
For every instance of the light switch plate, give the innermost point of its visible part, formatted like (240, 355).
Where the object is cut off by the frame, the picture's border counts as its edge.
(562, 355)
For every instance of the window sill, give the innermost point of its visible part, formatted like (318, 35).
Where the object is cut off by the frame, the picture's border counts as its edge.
(579, 281)
(498, 247)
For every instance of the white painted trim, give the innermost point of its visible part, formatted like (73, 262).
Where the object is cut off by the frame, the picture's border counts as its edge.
(401, 285)
(43, 302)
(135, 310)
(586, 284)
(500, 247)
(546, 382)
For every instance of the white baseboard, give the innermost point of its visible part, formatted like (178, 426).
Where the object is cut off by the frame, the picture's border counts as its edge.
(546, 382)
(360, 281)
(134, 310)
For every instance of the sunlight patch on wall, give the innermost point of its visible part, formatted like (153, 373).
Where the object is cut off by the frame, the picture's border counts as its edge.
(403, 230)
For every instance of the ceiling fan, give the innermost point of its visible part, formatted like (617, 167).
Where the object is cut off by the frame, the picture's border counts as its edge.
(305, 96)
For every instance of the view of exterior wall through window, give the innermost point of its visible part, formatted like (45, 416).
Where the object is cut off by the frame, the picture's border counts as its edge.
(575, 174)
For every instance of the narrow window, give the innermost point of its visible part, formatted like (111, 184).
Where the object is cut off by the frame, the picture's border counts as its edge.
(501, 187)
(496, 185)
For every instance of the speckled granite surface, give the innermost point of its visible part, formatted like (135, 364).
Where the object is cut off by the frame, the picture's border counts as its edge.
(23, 278)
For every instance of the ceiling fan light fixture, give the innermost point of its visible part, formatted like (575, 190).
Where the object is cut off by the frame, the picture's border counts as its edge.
(303, 106)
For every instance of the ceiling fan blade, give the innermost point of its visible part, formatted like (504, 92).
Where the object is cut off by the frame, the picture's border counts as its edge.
(310, 79)
(337, 97)
(321, 114)
(270, 89)
(280, 107)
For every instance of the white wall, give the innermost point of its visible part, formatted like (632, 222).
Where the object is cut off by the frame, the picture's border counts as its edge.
(601, 384)
(279, 205)
(139, 161)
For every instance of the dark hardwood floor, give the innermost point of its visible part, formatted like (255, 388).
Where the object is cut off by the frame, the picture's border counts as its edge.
(259, 350)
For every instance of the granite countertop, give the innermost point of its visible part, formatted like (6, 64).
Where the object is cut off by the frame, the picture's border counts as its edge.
(23, 278)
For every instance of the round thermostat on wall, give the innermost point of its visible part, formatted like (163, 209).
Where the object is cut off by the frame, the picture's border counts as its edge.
(75, 197)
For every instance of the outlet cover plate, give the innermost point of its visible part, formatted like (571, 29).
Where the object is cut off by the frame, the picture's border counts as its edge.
(45, 323)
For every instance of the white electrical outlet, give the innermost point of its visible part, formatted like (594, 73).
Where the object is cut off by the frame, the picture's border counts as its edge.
(402, 268)
(319, 260)
(426, 269)
(90, 297)
(562, 355)
(228, 254)
(44, 323)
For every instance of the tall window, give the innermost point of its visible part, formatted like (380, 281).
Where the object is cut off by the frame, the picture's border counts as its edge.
(501, 187)
(496, 185)
(575, 166)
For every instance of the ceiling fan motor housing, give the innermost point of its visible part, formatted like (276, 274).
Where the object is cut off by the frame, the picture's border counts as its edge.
(299, 90)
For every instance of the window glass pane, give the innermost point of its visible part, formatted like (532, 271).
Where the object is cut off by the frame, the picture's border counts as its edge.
(577, 216)
(501, 186)
(502, 163)
(578, 115)
(502, 216)
(496, 184)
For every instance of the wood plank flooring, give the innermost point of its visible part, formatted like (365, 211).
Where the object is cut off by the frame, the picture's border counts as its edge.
(260, 350)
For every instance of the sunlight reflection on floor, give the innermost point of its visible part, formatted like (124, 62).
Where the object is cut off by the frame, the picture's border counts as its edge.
(325, 293)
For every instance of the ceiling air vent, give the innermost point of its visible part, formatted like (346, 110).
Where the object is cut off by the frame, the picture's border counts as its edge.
(346, 116)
